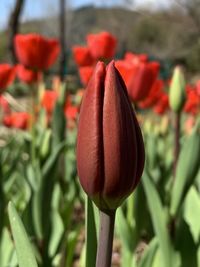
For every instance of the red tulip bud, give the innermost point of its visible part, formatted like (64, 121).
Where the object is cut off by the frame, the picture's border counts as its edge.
(110, 149)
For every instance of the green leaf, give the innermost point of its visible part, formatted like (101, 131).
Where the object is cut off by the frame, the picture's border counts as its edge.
(23, 247)
(71, 245)
(49, 176)
(124, 230)
(149, 254)
(185, 244)
(187, 168)
(56, 234)
(58, 124)
(158, 219)
(45, 144)
(6, 248)
(57, 227)
(91, 236)
(127, 235)
(192, 212)
(49, 165)
(151, 150)
(198, 256)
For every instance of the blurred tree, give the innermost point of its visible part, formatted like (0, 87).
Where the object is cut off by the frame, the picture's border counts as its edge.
(192, 8)
(62, 39)
(13, 27)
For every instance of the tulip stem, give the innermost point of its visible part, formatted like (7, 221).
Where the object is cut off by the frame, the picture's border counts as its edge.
(104, 251)
(177, 117)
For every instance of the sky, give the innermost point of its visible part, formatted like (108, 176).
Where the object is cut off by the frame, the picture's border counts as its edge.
(37, 8)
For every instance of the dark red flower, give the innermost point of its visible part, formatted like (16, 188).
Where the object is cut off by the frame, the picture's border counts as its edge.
(102, 45)
(82, 56)
(7, 76)
(19, 120)
(35, 51)
(110, 150)
(27, 75)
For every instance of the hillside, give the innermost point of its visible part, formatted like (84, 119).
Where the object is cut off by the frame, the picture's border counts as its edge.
(165, 35)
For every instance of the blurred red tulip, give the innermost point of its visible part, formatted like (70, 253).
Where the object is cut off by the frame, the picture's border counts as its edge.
(4, 104)
(7, 76)
(19, 120)
(189, 124)
(145, 74)
(154, 95)
(162, 105)
(27, 75)
(110, 149)
(102, 45)
(198, 87)
(82, 56)
(85, 74)
(48, 100)
(192, 104)
(35, 51)
(135, 58)
(126, 70)
(71, 111)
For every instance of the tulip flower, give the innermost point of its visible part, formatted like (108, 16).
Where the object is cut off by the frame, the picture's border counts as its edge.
(154, 95)
(198, 87)
(27, 75)
(48, 101)
(162, 104)
(135, 58)
(35, 51)
(144, 76)
(85, 74)
(19, 120)
(71, 112)
(102, 45)
(110, 150)
(4, 105)
(126, 69)
(192, 104)
(82, 56)
(189, 124)
(7, 76)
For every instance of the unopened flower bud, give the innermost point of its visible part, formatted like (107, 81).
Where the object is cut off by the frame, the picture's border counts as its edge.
(110, 149)
(177, 93)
